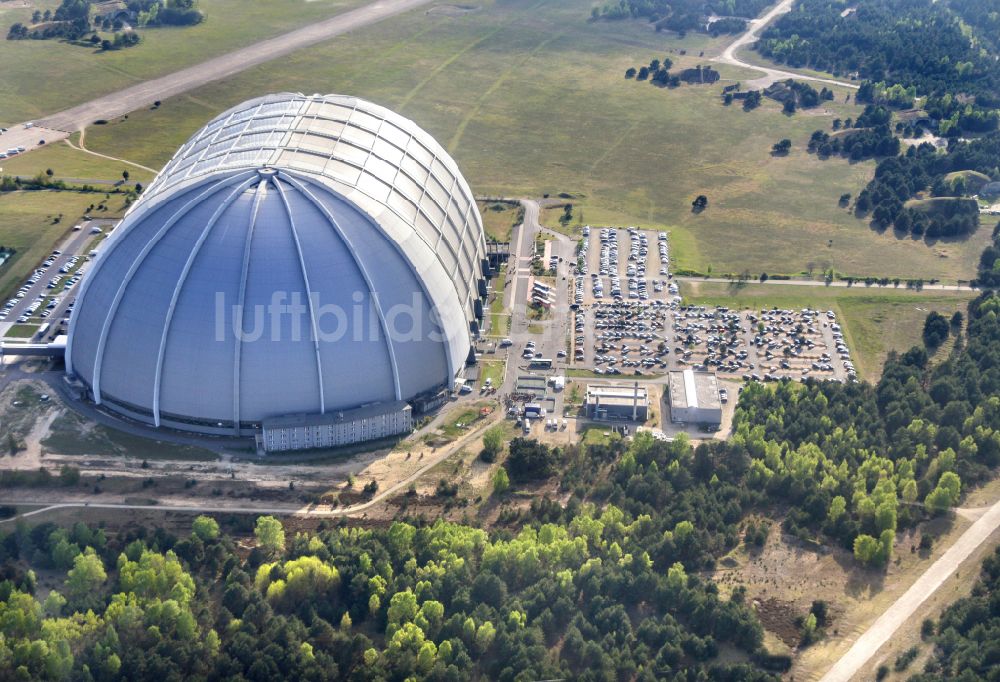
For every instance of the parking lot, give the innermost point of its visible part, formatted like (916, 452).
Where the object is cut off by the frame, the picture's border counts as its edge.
(616, 311)
(47, 296)
(623, 337)
(629, 264)
(765, 345)
(628, 320)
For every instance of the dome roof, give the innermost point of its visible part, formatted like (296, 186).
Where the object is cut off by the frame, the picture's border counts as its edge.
(299, 254)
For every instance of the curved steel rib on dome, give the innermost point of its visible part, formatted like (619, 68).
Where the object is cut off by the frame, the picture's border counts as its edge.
(361, 268)
(96, 382)
(241, 300)
(313, 326)
(177, 292)
(317, 195)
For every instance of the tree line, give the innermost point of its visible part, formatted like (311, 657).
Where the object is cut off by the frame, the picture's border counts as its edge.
(899, 178)
(682, 16)
(442, 601)
(966, 638)
(989, 262)
(913, 43)
(73, 20)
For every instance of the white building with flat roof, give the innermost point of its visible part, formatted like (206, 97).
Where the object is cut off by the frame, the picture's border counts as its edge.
(694, 398)
(629, 403)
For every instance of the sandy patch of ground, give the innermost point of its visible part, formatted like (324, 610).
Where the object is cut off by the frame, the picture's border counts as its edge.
(785, 576)
(452, 10)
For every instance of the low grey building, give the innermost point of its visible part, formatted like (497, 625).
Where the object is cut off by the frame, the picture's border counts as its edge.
(620, 402)
(990, 190)
(694, 398)
(305, 431)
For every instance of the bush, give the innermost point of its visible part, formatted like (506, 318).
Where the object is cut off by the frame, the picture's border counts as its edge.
(69, 475)
(904, 660)
(779, 663)
(936, 329)
(820, 610)
(446, 488)
(530, 460)
(492, 444)
(501, 481)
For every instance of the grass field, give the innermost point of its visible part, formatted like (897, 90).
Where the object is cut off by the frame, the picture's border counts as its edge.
(72, 165)
(29, 224)
(460, 422)
(530, 98)
(493, 370)
(22, 331)
(500, 218)
(70, 435)
(875, 320)
(550, 218)
(72, 74)
(499, 317)
(597, 435)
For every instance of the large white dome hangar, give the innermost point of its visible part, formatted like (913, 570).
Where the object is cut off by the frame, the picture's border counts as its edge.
(301, 259)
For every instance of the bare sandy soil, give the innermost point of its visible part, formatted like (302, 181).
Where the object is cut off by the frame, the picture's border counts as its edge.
(112, 475)
(785, 576)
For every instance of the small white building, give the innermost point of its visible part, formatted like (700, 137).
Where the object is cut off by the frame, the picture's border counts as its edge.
(694, 398)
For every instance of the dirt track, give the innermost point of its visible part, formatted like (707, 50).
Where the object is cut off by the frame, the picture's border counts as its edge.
(771, 75)
(903, 608)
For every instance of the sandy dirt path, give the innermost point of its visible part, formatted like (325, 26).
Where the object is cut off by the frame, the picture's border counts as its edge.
(903, 608)
(771, 75)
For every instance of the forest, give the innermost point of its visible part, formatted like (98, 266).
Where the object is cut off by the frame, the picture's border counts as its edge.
(607, 584)
(912, 43)
(899, 178)
(685, 15)
(983, 19)
(442, 601)
(966, 638)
